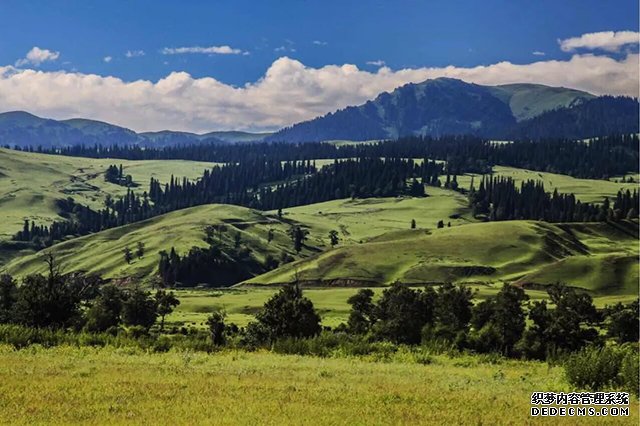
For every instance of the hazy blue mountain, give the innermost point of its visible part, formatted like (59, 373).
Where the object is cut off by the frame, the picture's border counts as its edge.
(234, 136)
(446, 106)
(19, 128)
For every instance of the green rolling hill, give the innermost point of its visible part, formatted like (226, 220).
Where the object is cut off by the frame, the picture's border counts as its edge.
(102, 252)
(602, 258)
(30, 183)
(353, 219)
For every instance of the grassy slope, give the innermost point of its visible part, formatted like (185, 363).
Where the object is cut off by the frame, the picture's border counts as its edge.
(586, 190)
(530, 100)
(112, 386)
(356, 220)
(30, 183)
(182, 229)
(523, 251)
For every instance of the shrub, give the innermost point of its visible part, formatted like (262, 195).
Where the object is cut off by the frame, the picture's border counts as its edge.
(289, 314)
(594, 368)
(217, 327)
(162, 344)
(255, 336)
(629, 376)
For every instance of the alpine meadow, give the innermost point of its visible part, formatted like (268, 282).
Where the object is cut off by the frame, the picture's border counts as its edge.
(318, 213)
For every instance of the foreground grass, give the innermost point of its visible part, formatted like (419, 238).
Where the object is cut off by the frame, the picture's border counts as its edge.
(84, 385)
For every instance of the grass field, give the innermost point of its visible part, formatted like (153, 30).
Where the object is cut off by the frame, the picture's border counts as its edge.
(30, 183)
(67, 385)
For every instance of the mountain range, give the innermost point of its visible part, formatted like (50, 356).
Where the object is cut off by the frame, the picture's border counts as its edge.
(446, 106)
(442, 106)
(19, 128)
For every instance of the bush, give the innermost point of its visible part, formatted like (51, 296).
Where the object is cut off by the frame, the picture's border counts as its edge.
(596, 369)
(629, 375)
(255, 336)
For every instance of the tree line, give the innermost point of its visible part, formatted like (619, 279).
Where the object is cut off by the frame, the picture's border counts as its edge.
(79, 301)
(507, 323)
(272, 185)
(598, 158)
(499, 198)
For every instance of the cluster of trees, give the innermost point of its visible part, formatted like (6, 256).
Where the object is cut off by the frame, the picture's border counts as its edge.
(599, 158)
(79, 301)
(498, 198)
(507, 323)
(497, 324)
(83, 220)
(447, 316)
(115, 174)
(355, 178)
(210, 265)
(229, 184)
(129, 254)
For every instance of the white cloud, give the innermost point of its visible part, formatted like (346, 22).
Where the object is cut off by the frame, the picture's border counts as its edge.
(36, 56)
(281, 49)
(134, 53)
(107, 59)
(538, 53)
(287, 93)
(377, 63)
(609, 41)
(211, 50)
(320, 43)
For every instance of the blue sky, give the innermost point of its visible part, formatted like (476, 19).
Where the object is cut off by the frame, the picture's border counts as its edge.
(255, 38)
(404, 34)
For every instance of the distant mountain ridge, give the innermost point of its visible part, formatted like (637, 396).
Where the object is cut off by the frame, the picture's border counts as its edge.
(446, 106)
(438, 107)
(19, 128)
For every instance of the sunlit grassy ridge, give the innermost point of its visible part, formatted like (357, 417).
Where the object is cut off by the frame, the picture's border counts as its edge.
(67, 385)
(361, 219)
(30, 183)
(518, 251)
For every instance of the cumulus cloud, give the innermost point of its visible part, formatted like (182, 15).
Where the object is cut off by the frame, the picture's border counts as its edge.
(287, 93)
(320, 43)
(107, 59)
(610, 41)
(134, 53)
(211, 50)
(36, 56)
(538, 53)
(377, 63)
